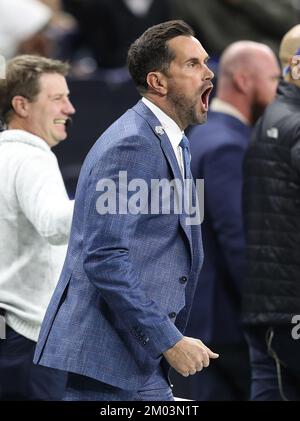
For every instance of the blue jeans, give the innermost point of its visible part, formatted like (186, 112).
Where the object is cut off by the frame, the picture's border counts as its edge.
(82, 388)
(275, 363)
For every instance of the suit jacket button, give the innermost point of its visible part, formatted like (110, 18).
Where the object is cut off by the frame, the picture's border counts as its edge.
(172, 315)
(145, 341)
(183, 279)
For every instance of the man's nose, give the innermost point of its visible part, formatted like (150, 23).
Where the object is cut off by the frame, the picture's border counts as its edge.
(68, 108)
(210, 74)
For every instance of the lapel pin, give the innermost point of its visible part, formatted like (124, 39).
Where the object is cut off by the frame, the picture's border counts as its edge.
(159, 130)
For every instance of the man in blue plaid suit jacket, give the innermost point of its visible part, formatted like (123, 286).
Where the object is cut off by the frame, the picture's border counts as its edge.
(116, 319)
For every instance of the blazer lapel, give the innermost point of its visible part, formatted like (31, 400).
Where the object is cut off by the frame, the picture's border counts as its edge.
(168, 151)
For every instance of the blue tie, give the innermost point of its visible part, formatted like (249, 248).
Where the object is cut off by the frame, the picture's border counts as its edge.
(185, 145)
(187, 193)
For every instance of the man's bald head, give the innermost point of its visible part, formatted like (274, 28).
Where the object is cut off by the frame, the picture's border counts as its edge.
(288, 52)
(248, 76)
(245, 56)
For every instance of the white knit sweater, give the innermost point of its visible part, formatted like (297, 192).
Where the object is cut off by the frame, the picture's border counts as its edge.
(35, 220)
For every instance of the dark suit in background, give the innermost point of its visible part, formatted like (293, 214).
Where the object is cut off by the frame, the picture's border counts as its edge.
(217, 150)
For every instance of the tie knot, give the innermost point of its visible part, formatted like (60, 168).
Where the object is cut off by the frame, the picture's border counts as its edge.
(184, 144)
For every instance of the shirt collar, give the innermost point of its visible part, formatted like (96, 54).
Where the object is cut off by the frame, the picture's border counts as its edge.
(220, 106)
(171, 128)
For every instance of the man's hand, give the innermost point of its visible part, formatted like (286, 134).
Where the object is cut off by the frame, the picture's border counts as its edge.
(188, 356)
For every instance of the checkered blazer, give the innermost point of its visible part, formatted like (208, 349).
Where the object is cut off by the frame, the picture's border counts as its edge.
(128, 280)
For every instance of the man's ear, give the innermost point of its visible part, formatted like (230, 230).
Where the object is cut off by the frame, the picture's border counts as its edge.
(241, 82)
(157, 82)
(20, 106)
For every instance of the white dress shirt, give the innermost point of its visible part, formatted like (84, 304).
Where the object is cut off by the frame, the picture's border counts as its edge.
(172, 130)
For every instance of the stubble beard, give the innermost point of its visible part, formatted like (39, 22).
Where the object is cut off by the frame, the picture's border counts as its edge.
(257, 111)
(187, 111)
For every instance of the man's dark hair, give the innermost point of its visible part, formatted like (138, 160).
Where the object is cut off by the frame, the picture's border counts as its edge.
(150, 52)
